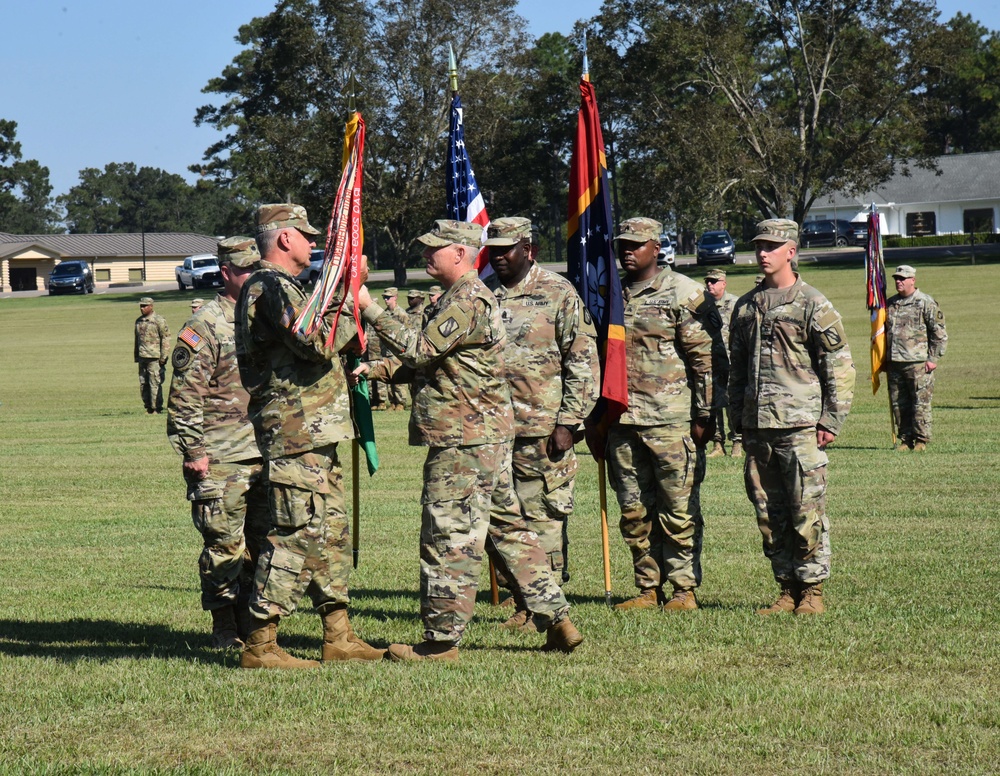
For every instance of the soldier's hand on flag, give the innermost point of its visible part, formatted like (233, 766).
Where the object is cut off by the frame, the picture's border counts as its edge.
(364, 298)
(930, 366)
(363, 269)
(355, 375)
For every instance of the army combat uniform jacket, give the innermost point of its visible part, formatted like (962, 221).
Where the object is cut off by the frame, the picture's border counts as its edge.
(551, 353)
(207, 408)
(152, 337)
(460, 394)
(791, 366)
(914, 329)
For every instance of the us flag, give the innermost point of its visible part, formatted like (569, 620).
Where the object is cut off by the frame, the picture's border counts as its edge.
(464, 200)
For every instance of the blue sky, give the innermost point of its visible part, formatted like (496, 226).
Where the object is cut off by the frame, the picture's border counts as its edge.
(96, 81)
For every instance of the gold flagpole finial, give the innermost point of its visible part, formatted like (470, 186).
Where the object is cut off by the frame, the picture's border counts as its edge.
(452, 70)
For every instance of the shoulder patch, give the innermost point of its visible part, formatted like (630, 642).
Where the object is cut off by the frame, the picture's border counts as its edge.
(182, 358)
(287, 317)
(448, 326)
(191, 338)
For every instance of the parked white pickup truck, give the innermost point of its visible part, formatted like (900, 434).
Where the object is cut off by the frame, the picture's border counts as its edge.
(199, 271)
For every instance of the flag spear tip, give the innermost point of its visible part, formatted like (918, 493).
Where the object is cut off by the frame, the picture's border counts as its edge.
(452, 70)
(586, 63)
(352, 89)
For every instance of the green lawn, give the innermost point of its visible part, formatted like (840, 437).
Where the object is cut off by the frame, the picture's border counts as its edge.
(104, 657)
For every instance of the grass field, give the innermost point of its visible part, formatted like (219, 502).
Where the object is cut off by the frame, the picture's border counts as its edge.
(104, 657)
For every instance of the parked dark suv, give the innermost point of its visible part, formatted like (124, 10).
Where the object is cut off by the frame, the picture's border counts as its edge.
(716, 248)
(71, 277)
(815, 234)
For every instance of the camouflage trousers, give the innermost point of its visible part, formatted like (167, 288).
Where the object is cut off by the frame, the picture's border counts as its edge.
(230, 510)
(720, 413)
(308, 549)
(399, 395)
(151, 375)
(911, 388)
(376, 393)
(656, 472)
(785, 474)
(545, 490)
(468, 504)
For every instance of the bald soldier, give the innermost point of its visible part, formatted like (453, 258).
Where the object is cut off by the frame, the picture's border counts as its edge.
(152, 348)
(553, 372)
(301, 412)
(462, 413)
(208, 424)
(791, 382)
(718, 327)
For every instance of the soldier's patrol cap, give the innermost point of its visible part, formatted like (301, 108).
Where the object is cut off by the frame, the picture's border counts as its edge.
(283, 216)
(238, 251)
(715, 274)
(777, 230)
(435, 290)
(197, 303)
(508, 231)
(390, 292)
(145, 301)
(904, 271)
(640, 230)
(447, 232)
(414, 294)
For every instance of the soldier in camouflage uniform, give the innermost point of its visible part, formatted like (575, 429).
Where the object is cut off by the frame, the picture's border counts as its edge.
(462, 412)
(553, 372)
(196, 305)
(791, 381)
(152, 347)
(301, 411)
(399, 392)
(207, 423)
(433, 294)
(915, 341)
(655, 450)
(715, 287)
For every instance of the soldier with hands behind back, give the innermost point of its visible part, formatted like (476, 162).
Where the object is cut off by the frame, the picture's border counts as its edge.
(152, 348)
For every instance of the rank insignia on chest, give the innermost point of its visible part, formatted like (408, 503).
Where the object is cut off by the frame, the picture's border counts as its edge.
(191, 338)
(506, 315)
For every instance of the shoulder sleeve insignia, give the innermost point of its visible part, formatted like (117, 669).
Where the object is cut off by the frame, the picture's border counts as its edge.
(287, 317)
(450, 324)
(181, 358)
(191, 338)
(447, 327)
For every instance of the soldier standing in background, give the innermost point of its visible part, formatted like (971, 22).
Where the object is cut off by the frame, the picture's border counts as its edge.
(152, 347)
(915, 341)
(462, 413)
(553, 372)
(196, 305)
(399, 393)
(715, 285)
(656, 449)
(207, 423)
(433, 294)
(791, 382)
(301, 411)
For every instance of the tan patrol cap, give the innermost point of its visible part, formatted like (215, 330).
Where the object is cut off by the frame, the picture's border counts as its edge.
(904, 271)
(390, 292)
(414, 294)
(715, 274)
(238, 251)
(508, 231)
(435, 290)
(283, 216)
(777, 230)
(640, 230)
(196, 303)
(447, 232)
(145, 301)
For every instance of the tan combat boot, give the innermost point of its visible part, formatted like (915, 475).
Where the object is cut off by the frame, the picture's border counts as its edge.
(339, 641)
(645, 600)
(521, 621)
(717, 451)
(262, 650)
(426, 650)
(737, 450)
(682, 600)
(562, 637)
(786, 602)
(919, 447)
(225, 634)
(812, 600)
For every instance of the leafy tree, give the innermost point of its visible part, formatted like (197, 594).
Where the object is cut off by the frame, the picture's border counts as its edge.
(25, 192)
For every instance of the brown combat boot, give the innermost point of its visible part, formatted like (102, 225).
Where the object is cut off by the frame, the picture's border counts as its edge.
(521, 621)
(339, 641)
(426, 650)
(919, 447)
(225, 634)
(811, 601)
(718, 450)
(508, 603)
(786, 602)
(562, 637)
(737, 450)
(682, 601)
(262, 650)
(647, 599)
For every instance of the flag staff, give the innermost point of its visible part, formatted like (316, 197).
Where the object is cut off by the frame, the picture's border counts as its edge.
(352, 109)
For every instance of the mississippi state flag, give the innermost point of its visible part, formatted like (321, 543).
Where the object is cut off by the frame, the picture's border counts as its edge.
(464, 200)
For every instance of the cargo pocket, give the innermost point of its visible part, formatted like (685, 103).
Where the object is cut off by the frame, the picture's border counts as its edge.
(292, 508)
(282, 585)
(447, 508)
(690, 460)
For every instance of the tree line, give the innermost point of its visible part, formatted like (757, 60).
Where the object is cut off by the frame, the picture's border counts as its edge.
(716, 113)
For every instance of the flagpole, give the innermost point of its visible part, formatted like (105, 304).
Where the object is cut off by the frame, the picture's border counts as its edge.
(355, 444)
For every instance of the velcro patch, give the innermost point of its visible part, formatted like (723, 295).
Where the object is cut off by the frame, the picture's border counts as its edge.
(191, 338)
(287, 317)
(450, 324)
(181, 359)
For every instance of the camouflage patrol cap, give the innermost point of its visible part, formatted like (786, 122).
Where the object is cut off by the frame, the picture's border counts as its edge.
(447, 232)
(196, 303)
(283, 216)
(715, 274)
(238, 251)
(508, 231)
(414, 294)
(435, 290)
(390, 292)
(145, 301)
(904, 271)
(777, 230)
(640, 230)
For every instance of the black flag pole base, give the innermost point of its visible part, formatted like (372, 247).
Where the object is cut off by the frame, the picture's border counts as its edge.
(354, 558)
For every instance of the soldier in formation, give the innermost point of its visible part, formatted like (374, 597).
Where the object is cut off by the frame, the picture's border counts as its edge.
(915, 341)
(718, 327)
(552, 370)
(301, 412)
(462, 413)
(152, 348)
(208, 425)
(196, 305)
(655, 450)
(791, 382)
